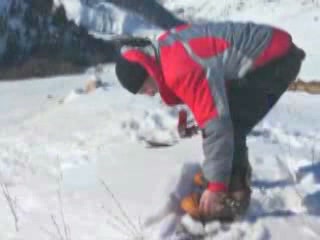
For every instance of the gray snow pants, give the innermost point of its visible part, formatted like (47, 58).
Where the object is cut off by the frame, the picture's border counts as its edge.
(251, 98)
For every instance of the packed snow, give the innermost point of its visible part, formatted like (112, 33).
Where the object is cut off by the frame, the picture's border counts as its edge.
(75, 164)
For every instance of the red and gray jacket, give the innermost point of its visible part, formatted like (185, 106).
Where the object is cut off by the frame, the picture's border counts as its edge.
(193, 64)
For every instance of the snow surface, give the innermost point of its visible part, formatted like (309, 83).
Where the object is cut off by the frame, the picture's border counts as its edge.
(56, 140)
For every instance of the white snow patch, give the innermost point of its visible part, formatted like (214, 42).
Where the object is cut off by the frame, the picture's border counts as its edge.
(46, 146)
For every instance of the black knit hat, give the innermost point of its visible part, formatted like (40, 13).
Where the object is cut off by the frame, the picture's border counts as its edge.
(130, 74)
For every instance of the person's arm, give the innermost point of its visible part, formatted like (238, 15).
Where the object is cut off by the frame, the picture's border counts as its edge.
(209, 104)
(218, 145)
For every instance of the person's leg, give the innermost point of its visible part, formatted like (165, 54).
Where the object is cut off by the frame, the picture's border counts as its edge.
(250, 99)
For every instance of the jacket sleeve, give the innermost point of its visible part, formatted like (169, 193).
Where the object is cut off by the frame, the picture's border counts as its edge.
(208, 101)
(218, 144)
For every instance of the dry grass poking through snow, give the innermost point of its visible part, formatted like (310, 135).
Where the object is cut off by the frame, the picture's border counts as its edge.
(312, 87)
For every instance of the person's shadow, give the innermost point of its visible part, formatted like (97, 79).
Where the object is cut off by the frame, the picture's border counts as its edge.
(310, 201)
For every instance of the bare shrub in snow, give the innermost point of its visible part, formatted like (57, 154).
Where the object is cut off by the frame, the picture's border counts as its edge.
(123, 225)
(12, 204)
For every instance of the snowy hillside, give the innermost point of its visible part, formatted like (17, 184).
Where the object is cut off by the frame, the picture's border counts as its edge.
(57, 143)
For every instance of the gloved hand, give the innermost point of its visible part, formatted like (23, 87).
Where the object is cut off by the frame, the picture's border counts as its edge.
(210, 205)
(184, 130)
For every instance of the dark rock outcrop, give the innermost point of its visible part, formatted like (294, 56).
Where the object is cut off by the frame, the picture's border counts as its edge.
(38, 40)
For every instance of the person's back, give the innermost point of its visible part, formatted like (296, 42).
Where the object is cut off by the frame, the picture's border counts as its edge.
(233, 47)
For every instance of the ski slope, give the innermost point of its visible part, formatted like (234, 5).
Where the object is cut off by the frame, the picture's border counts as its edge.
(62, 151)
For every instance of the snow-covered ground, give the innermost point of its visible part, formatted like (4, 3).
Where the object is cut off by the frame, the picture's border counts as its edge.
(57, 146)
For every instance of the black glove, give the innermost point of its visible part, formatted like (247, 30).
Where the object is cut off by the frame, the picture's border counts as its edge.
(186, 129)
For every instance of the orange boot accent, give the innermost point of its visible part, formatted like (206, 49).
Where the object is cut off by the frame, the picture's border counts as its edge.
(190, 205)
(199, 180)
